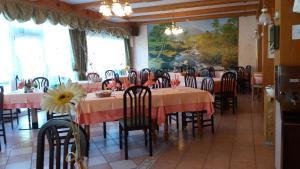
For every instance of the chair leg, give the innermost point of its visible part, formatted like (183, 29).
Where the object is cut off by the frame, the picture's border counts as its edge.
(17, 114)
(4, 134)
(177, 121)
(150, 142)
(126, 144)
(170, 119)
(193, 124)
(183, 120)
(221, 106)
(145, 134)
(212, 124)
(11, 119)
(104, 129)
(120, 136)
(28, 115)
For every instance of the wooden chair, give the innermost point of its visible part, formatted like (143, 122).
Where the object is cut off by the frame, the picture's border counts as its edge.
(190, 81)
(207, 85)
(133, 76)
(212, 72)
(144, 75)
(105, 84)
(162, 82)
(93, 76)
(256, 85)
(110, 74)
(204, 72)
(241, 80)
(50, 132)
(248, 76)
(227, 95)
(137, 115)
(2, 130)
(41, 82)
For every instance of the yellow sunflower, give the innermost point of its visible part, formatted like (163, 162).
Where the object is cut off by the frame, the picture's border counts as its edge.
(63, 99)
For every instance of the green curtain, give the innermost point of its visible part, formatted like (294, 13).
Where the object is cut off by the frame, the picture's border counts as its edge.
(23, 11)
(79, 47)
(128, 52)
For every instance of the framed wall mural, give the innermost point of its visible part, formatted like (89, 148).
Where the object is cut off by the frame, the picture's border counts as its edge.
(202, 44)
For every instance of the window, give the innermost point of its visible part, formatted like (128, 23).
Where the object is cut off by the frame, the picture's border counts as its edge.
(28, 50)
(105, 53)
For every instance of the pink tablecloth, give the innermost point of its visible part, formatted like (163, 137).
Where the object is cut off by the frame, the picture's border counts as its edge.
(22, 100)
(164, 101)
(257, 78)
(90, 86)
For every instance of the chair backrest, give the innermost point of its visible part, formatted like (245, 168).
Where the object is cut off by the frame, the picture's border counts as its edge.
(107, 82)
(137, 107)
(241, 73)
(204, 72)
(158, 73)
(144, 75)
(208, 85)
(49, 131)
(211, 71)
(41, 82)
(110, 74)
(249, 71)
(162, 82)
(92, 76)
(133, 76)
(1, 102)
(191, 71)
(228, 84)
(167, 75)
(190, 81)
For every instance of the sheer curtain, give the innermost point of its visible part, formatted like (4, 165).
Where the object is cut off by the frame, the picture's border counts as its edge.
(29, 50)
(105, 52)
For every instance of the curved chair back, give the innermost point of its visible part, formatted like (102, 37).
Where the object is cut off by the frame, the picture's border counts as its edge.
(107, 82)
(92, 76)
(211, 71)
(191, 71)
(162, 82)
(133, 76)
(144, 75)
(208, 85)
(228, 84)
(137, 107)
(190, 81)
(159, 73)
(41, 82)
(110, 74)
(204, 72)
(49, 131)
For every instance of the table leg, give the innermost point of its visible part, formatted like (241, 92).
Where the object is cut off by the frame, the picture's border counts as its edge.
(87, 130)
(199, 124)
(34, 117)
(166, 129)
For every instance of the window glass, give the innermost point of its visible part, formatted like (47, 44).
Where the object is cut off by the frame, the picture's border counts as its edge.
(105, 53)
(28, 50)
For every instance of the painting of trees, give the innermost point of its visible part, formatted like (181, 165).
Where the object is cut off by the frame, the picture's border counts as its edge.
(208, 43)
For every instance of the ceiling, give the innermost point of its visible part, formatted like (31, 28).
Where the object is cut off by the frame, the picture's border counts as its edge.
(165, 11)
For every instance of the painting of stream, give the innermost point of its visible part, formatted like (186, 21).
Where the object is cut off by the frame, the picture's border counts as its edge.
(202, 44)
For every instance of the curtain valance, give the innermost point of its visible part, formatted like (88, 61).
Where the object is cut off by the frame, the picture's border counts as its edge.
(22, 11)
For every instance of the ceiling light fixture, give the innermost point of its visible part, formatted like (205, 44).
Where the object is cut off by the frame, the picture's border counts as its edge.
(173, 30)
(264, 18)
(116, 8)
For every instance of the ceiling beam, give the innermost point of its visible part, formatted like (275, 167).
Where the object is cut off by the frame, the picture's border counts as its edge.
(175, 6)
(197, 12)
(98, 3)
(230, 15)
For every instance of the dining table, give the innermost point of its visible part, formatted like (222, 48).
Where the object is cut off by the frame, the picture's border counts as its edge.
(19, 99)
(93, 109)
(180, 77)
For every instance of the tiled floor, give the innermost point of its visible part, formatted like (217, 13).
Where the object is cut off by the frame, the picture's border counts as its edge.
(238, 143)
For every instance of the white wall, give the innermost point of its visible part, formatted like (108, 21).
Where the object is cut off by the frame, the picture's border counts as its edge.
(140, 49)
(247, 43)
